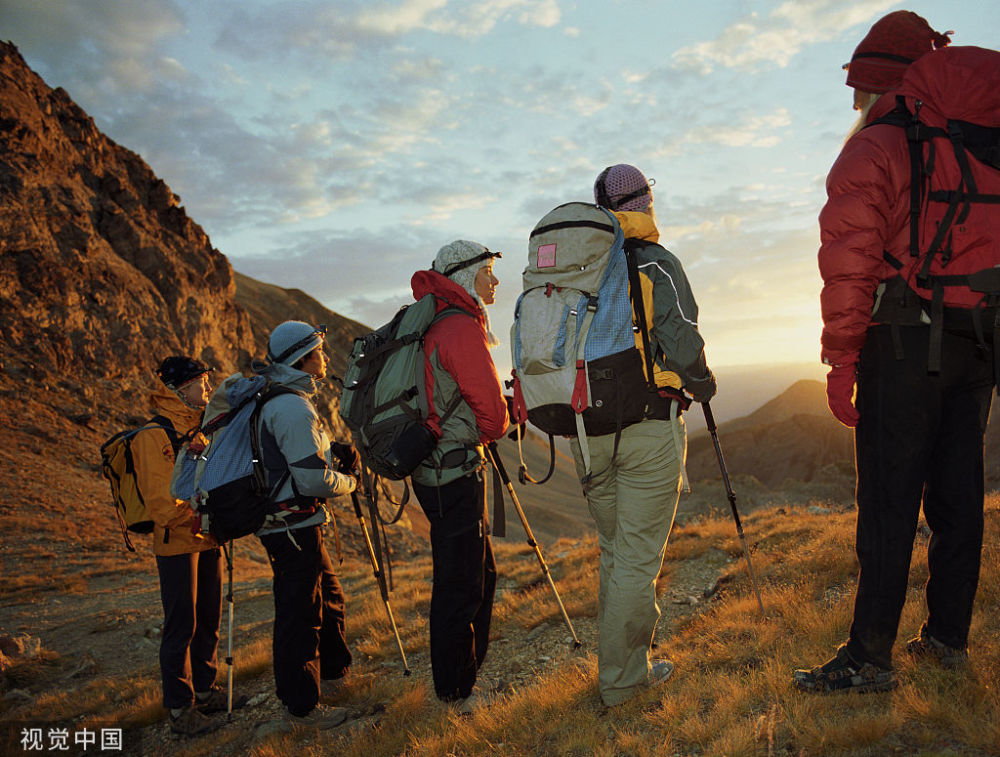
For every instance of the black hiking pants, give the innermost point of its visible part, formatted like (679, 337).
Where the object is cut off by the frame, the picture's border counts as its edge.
(191, 592)
(919, 437)
(309, 641)
(465, 579)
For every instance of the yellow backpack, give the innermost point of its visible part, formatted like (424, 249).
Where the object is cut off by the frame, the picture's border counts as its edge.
(118, 467)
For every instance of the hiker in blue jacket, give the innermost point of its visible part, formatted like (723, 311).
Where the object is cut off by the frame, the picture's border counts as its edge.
(309, 644)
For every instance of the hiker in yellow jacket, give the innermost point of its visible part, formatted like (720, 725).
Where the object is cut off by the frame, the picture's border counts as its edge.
(189, 563)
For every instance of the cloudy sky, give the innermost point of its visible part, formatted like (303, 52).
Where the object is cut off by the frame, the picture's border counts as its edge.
(335, 145)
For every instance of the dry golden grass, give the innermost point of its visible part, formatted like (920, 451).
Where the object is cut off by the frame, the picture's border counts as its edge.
(731, 693)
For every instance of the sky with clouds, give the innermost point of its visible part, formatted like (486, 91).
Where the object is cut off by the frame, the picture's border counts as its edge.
(335, 145)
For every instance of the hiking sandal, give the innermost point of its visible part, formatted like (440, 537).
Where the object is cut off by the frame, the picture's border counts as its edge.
(842, 673)
(926, 646)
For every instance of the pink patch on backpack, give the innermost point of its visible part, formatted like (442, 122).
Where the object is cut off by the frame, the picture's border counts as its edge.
(547, 256)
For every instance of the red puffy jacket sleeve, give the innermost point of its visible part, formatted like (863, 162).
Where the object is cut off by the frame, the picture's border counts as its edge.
(866, 212)
(463, 352)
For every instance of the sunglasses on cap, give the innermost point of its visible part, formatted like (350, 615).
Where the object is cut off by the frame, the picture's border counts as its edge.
(486, 255)
(320, 331)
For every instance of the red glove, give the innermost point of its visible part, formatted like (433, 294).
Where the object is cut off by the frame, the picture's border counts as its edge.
(840, 393)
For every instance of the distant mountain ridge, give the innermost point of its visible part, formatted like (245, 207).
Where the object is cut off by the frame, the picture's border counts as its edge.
(790, 443)
(102, 274)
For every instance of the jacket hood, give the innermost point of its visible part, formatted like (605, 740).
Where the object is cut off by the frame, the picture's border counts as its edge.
(638, 225)
(284, 375)
(447, 292)
(163, 401)
(961, 83)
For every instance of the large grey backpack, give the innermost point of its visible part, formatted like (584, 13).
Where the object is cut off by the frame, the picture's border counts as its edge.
(577, 369)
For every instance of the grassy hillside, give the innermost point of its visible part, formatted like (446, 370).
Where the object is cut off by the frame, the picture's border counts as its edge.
(730, 694)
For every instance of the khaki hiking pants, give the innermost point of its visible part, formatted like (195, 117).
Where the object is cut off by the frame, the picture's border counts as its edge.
(633, 501)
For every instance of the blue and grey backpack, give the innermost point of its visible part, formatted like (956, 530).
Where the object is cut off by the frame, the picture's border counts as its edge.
(220, 472)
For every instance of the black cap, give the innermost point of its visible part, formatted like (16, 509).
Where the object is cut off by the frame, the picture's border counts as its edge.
(178, 370)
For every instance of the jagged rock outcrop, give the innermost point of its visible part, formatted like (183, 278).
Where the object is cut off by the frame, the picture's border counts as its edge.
(101, 272)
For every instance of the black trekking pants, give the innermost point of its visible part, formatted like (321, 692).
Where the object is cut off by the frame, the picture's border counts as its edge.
(309, 641)
(919, 437)
(191, 593)
(465, 579)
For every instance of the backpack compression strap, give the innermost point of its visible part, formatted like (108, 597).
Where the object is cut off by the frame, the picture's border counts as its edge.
(639, 309)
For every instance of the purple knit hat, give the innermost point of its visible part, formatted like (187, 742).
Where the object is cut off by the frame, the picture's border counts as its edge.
(622, 187)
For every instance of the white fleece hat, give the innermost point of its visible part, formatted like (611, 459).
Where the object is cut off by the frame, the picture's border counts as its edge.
(460, 261)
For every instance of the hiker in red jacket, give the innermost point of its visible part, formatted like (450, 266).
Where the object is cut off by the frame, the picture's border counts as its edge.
(466, 411)
(901, 323)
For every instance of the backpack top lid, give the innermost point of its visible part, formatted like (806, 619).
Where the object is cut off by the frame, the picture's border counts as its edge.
(231, 393)
(569, 247)
(960, 83)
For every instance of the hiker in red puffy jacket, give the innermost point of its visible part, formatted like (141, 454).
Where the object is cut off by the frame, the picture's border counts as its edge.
(466, 410)
(924, 376)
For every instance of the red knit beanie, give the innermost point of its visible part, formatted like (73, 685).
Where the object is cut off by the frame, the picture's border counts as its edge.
(892, 44)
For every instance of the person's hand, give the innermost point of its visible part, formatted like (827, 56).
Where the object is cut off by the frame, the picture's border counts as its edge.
(516, 428)
(350, 460)
(704, 389)
(840, 383)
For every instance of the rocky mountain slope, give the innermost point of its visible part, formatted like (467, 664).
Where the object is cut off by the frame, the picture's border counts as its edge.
(102, 274)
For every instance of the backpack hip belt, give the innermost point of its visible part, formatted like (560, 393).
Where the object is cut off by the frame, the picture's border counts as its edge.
(897, 305)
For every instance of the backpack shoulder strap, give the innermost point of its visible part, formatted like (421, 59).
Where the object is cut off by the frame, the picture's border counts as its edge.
(638, 306)
(450, 310)
(176, 438)
(259, 473)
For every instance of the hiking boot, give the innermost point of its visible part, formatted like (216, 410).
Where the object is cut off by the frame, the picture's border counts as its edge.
(843, 674)
(468, 706)
(660, 671)
(218, 701)
(321, 718)
(925, 645)
(191, 722)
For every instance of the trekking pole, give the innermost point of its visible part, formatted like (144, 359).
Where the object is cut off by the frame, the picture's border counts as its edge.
(229, 653)
(713, 431)
(494, 454)
(379, 579)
